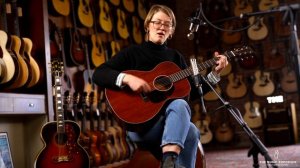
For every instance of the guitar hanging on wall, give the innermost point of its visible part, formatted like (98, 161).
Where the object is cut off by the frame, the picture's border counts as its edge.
(60, 137)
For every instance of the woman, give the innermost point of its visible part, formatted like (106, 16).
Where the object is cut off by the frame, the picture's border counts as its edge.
(173, 138)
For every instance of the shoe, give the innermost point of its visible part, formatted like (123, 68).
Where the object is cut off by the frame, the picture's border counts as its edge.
(170, 162)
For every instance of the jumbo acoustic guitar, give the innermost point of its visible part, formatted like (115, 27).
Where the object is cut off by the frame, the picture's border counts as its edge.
(61, 148)
(167, 81)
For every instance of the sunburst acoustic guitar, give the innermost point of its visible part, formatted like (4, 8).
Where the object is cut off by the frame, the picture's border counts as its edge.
(167, 81)
(60, 137)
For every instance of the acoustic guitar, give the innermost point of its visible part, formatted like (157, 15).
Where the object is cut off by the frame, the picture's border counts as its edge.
(106, 148)
(115, 2)
(34, 66)
(258, 30)
(105, 17)
(142, 9)
(202, 123)
(121, 24)
(167, 81)
(263, 85)
(84, 13)
(97, 53)
(267, 4)
(230, 36)
(236, 87)
(61, 148)
(59, 7)
(24, 66)
(73, 42)
(224, 132)
(136, 30)
(288, 80)
(274, 49)
(242, 6)
(9, 65)
(129, 5)
(252, 115)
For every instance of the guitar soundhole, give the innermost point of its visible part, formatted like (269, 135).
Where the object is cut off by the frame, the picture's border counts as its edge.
(163, 83)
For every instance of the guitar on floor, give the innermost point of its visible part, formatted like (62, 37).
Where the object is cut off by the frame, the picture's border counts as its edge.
(60, 137)
(167, 81)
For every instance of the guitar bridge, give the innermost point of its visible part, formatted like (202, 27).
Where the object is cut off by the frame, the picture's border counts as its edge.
(64, 158)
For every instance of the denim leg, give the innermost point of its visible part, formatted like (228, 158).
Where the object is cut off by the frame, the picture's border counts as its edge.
(187, 157)
(173, 128)
(178, 115)
(181, 131)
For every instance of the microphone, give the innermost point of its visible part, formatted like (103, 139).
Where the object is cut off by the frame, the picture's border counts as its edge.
(194, 25)
(195, 71)
(197, 82)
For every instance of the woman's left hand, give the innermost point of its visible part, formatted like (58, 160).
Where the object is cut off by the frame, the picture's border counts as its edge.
(221, 63)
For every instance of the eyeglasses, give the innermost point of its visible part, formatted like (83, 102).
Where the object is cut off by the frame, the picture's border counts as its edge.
(158, 24)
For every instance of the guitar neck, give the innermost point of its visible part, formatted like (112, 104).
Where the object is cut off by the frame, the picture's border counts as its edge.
(201, 66)
(15, 14)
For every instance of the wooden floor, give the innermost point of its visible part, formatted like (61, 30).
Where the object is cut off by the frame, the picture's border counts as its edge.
(284, 156)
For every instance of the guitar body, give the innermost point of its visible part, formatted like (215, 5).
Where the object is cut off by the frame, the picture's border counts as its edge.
(288, 80)
(142, 9)
(267, 4)
(84, 12)
(242, 6)
(7, 62)
(115, 2)
(211, 96)
(236, 87)
(69, 154)
(24, 65)
(226, 70)
(35, 69)
(59, 7)
(121, 101)
(273, 58)
(205, 132)
(115, 47)
(263, 85)
(121, 24)
(252, 116)
(104, 17)
(136, 31)
(98, 53)
(259, 30)
(129, 5)
(230, 37)
(224, 133)
(75, 48)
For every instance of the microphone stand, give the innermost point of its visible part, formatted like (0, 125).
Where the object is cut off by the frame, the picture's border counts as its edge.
(257, 145)
(198, 84)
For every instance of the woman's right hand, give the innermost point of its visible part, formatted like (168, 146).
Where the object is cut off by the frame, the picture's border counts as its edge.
(136, 84)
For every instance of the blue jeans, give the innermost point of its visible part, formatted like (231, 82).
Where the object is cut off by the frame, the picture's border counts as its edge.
(174, 127)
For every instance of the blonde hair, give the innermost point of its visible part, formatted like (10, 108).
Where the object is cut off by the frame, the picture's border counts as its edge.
(157, 8)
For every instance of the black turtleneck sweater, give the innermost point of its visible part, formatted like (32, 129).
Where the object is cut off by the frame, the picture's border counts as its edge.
(142, 57)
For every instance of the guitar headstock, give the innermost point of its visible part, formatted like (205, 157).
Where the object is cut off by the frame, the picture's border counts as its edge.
(243, 51)
(57, 67)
